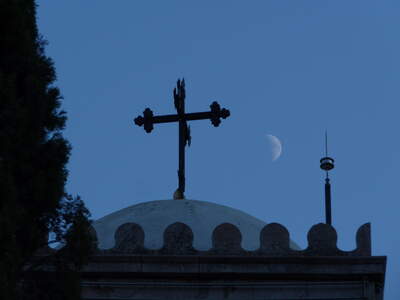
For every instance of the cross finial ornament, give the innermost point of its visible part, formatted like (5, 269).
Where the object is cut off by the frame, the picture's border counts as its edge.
(148, 120)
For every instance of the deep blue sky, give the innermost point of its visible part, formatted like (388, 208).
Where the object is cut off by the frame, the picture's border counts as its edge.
(287, 68)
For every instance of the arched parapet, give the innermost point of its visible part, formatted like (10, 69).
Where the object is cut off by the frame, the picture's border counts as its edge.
(129, 238)
(363, 240)
(322, 241)
(227, 239)
(178, 239)
(274, 240)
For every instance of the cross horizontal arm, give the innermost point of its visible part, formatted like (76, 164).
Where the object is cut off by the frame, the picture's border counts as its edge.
(165, 119)
(214, 115)
(187, 117)
(198, 116)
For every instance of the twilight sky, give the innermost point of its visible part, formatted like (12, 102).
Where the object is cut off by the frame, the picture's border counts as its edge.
(288, 68)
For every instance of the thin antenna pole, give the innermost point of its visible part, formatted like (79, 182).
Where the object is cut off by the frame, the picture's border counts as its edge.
(326, 143)
(328, 209)
(326, 150)
(326, 165)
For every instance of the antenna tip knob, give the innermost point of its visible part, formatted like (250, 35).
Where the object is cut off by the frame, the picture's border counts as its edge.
(327, 163)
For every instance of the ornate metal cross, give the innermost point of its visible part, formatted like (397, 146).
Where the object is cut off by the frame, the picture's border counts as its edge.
(148, 120)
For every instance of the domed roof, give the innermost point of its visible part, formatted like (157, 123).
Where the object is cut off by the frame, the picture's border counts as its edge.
(201, 216)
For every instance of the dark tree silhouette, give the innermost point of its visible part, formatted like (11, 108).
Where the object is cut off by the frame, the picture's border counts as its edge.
(33, 158)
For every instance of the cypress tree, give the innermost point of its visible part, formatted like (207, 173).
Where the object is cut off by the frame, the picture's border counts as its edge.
(33, 158)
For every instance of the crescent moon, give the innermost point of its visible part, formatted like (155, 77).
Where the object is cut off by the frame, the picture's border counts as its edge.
(276, 146)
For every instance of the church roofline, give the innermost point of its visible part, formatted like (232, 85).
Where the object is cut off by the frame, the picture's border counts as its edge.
(227, 238)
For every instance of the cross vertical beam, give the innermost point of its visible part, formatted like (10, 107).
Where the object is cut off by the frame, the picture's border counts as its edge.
(148, 120)
(184, 133)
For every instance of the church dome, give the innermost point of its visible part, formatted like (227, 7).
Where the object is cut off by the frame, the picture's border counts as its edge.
(201, 216)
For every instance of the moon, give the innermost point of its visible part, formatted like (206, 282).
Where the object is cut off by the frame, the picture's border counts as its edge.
(275, 145)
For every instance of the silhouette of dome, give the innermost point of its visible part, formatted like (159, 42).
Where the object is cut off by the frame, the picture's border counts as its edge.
(201, 216)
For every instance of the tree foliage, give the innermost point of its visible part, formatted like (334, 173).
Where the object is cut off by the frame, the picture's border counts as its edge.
(33, 158)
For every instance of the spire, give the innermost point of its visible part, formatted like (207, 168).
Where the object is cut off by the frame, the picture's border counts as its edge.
(327, 165)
